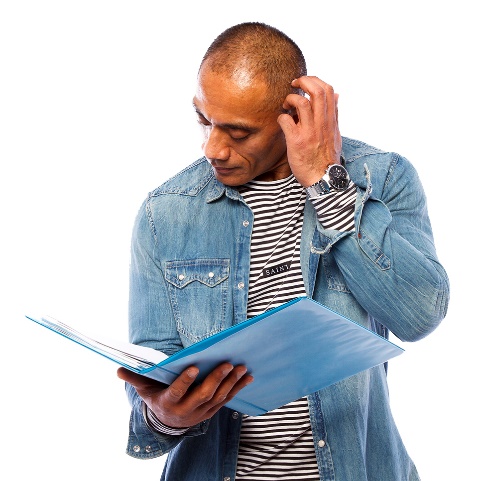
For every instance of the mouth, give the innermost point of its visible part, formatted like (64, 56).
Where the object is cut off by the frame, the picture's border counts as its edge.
(223, 170)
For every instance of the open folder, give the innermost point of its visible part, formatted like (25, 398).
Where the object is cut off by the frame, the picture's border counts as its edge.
(292, 350)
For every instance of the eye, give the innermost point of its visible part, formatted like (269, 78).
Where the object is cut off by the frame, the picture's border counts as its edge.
(239, 135)
(202, 120)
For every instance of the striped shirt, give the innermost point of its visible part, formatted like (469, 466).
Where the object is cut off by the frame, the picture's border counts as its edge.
(279, 445)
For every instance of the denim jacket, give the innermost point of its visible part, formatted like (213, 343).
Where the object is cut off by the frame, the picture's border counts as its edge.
(385, 276)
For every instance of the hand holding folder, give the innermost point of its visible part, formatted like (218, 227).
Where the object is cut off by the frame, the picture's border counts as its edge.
(184, 403)
(291, 351)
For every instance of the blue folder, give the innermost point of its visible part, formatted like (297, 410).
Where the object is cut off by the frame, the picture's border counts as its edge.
(293, 350)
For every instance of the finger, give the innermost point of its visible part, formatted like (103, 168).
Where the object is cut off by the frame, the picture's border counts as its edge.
(303, 109)
(182, 406)
(322, 97)
(319, 93)
(241, 383)
(178, 389)
(241, 380)
(287, 124)
(204, 392)
(311, 85)
(228, 384)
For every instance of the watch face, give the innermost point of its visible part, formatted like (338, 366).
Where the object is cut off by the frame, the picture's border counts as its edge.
(338, 177)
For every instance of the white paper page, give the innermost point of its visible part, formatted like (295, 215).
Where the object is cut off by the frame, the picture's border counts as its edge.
(138, 357)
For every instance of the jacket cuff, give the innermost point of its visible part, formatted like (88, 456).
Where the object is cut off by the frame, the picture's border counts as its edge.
(145, 442)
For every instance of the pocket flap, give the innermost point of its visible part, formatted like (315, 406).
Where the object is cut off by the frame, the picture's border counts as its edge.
(207, 271)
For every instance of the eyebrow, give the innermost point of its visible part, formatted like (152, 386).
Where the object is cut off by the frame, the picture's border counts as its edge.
(237, 126)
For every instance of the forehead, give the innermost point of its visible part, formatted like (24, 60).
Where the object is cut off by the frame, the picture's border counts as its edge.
(223, 97)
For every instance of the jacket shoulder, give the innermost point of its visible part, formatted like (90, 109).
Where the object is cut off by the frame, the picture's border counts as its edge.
(189, 181)
(383, 166)
(354, 149)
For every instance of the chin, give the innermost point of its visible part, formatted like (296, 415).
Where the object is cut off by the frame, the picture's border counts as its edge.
(230, 180)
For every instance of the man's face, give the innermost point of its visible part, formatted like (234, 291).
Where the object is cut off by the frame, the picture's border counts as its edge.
(242, 139)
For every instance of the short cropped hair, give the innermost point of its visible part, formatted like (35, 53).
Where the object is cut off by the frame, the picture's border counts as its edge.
(266, 53)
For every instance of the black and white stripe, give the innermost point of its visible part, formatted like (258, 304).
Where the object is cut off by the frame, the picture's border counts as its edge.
(154, 423)
(277, 445)
(335, 210)
(275, 271)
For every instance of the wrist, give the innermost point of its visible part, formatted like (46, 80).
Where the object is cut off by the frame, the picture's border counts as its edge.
(154, 422)
(335, 179)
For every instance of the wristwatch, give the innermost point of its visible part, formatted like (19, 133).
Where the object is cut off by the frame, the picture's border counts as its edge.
(336, 178)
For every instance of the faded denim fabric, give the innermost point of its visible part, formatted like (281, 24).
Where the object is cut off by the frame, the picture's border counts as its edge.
(189, 279)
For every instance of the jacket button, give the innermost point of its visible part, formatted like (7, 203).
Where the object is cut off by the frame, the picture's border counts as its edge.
(181, 277)
(321, 443)
(235, 415)
(136, 448)
(227, 478)
(245, 223)
(240, 285)
(148, 449)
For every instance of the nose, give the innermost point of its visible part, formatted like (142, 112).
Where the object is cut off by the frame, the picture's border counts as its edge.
(215, 146)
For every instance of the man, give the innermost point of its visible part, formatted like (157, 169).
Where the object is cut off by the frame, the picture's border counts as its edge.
(278, 186)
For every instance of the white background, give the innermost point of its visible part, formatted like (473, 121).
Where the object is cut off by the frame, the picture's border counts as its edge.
(95, 111)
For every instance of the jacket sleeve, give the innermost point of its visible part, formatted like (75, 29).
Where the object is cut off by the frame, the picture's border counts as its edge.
(144, 442)
(390, 263)
(151, 321)
(151, 324)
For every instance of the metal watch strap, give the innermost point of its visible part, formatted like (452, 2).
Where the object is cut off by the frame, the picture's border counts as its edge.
(321, 187)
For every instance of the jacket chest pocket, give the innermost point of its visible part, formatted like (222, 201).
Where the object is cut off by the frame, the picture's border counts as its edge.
(198, 294)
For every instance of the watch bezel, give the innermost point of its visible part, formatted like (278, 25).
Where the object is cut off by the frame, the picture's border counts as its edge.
(330, 182)
(340, 181)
